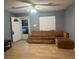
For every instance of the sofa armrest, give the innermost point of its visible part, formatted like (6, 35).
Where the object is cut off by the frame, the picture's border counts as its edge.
(29, 34)
(66, 35)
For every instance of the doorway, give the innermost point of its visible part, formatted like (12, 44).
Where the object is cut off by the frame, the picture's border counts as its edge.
(25, 27)
(20, 28)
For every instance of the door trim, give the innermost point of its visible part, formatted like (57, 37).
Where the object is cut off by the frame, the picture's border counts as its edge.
(11, 29)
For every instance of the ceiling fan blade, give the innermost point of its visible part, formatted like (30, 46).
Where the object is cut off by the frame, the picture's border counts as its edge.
(19, 7)
(26, 1)
(49, 4)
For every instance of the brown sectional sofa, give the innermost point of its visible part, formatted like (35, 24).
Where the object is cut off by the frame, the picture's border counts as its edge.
(46, 36)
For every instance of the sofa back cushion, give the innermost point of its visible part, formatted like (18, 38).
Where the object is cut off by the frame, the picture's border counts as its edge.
(42, 33)
(58, 33)
(46, 33)
(35, 33)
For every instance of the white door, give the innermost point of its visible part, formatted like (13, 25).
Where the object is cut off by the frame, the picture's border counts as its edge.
(16, 28)
(47, 23)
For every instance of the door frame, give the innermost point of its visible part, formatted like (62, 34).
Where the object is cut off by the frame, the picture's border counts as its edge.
(28, 17)
(11, 30)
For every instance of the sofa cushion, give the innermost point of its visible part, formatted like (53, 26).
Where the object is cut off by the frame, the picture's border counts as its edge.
(35, 33)
(58, 33)
(41, 33)
(46, 33)
(47, 38)
(35, 38)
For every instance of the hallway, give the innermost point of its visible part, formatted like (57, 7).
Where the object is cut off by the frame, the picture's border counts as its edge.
(23, 50)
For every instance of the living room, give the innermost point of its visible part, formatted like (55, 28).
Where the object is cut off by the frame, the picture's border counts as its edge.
(60, 35)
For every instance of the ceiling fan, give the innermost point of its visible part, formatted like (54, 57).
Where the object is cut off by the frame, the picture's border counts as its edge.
(34, 5)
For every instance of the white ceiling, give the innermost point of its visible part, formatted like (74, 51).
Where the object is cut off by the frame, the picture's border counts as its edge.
(10, 3)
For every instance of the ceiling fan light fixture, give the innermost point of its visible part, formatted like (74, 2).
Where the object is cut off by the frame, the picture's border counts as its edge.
(33, 10)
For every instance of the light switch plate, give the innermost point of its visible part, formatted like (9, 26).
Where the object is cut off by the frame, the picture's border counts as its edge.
(35, 25)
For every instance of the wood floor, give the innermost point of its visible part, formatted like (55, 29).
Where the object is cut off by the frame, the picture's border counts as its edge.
(23, 50)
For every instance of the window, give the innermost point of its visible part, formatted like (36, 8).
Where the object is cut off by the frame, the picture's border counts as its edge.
(47, 23)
